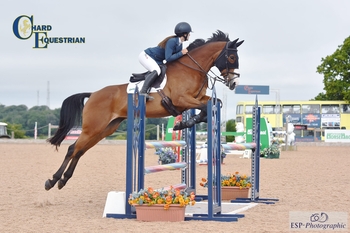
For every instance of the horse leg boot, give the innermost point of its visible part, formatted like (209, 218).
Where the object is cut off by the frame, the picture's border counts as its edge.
(150, 78)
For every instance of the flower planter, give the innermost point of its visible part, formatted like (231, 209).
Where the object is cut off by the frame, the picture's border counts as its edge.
(163, 162)
(233, 192)
(153, 213)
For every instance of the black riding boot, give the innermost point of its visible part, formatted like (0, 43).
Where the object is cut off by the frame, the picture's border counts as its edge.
(151, 77)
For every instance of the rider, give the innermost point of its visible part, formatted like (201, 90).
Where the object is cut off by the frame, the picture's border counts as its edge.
(169, 50)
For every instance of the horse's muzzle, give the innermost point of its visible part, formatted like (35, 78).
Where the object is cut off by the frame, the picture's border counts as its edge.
(232, 80)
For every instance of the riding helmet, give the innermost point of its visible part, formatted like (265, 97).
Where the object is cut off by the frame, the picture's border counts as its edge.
(182, 28)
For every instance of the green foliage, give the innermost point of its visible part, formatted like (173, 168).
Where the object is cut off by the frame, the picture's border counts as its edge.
(120, 137)
(23, 119)
(151, 127)
(151, 132)
(230, 127)
(336, 72)
(17, 129)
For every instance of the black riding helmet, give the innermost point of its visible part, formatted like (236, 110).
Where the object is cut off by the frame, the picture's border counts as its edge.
(182, 28)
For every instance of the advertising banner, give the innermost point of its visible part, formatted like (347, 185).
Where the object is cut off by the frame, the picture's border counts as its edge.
(336, 135)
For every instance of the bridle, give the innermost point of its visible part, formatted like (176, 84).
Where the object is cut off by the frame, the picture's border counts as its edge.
(229, 63)
(229, 59)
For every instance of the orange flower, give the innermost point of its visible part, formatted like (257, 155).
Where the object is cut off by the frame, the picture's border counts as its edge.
(162, 197)
(192, 196)
(150, 190)
(204, 180)
(168, 199)
(155, 195)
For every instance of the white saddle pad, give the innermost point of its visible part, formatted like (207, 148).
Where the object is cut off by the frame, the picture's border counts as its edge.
(131, 86)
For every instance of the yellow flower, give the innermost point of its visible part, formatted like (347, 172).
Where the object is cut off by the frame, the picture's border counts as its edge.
(151, 197)
(160, 201)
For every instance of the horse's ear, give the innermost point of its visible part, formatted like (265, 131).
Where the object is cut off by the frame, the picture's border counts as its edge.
(235, 41)
(232, 44)
(239, 43)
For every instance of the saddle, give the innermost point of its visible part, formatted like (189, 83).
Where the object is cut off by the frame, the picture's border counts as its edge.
(137, 77)
(166, 101)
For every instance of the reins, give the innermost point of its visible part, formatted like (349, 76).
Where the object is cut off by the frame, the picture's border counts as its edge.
(208, 76)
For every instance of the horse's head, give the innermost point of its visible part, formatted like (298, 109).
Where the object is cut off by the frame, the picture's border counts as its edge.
(217, 51)
(227, 62)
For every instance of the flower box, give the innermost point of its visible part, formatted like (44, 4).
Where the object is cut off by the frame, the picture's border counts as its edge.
(232, 186)
(162, 204)
(232, 192)
(156, 212)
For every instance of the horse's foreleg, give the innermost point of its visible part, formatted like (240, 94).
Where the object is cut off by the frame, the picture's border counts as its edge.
(50, 183)
(201, 117)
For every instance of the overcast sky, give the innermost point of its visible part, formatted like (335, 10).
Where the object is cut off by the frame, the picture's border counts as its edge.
(284, 43)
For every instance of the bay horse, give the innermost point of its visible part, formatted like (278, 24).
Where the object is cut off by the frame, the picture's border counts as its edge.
(105, 109)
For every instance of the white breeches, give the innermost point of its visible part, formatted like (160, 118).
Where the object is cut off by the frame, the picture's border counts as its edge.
(148, 62)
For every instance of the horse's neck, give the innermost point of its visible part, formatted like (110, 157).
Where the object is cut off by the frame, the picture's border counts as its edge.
(204, 57)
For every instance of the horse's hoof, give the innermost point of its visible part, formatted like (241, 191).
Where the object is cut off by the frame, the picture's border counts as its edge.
(48, 185)
(60, 184)
(179, 126)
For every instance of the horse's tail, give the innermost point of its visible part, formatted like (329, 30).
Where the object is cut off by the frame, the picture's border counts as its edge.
(70, 114)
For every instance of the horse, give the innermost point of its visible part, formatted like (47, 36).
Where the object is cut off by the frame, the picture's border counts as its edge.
(186, 86)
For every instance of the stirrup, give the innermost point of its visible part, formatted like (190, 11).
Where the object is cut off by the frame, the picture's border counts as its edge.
(148, 97)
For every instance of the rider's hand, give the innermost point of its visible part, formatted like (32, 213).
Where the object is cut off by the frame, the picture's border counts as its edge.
(184, 51)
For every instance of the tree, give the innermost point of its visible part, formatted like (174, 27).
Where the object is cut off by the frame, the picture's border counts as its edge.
(336, 71)
(230, 127)
(17, 129)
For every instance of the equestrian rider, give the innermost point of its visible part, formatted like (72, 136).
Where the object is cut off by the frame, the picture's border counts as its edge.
(169, 50)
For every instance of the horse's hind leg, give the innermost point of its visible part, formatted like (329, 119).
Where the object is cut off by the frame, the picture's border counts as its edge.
(50, 183)
(84, 143)
(69, 173)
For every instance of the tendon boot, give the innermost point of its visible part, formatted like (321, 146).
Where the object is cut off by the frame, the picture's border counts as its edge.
(149, 80)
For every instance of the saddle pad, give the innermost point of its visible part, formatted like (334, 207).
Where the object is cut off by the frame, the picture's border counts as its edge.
(131, 86)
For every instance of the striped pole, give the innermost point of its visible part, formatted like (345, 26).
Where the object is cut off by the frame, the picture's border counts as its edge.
(165, 167)
(239, 146)
(162, 144)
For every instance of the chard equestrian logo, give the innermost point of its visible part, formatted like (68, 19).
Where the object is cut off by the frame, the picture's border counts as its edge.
(24, 28)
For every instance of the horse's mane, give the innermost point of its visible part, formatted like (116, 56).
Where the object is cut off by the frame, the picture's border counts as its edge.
(217, 36)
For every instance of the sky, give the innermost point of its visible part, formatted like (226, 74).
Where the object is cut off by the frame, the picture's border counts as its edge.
(284, 43)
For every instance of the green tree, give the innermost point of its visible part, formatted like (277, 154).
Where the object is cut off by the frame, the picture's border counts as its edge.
(230, 127)
(17, 129)
(336, 74)
(150, 132)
